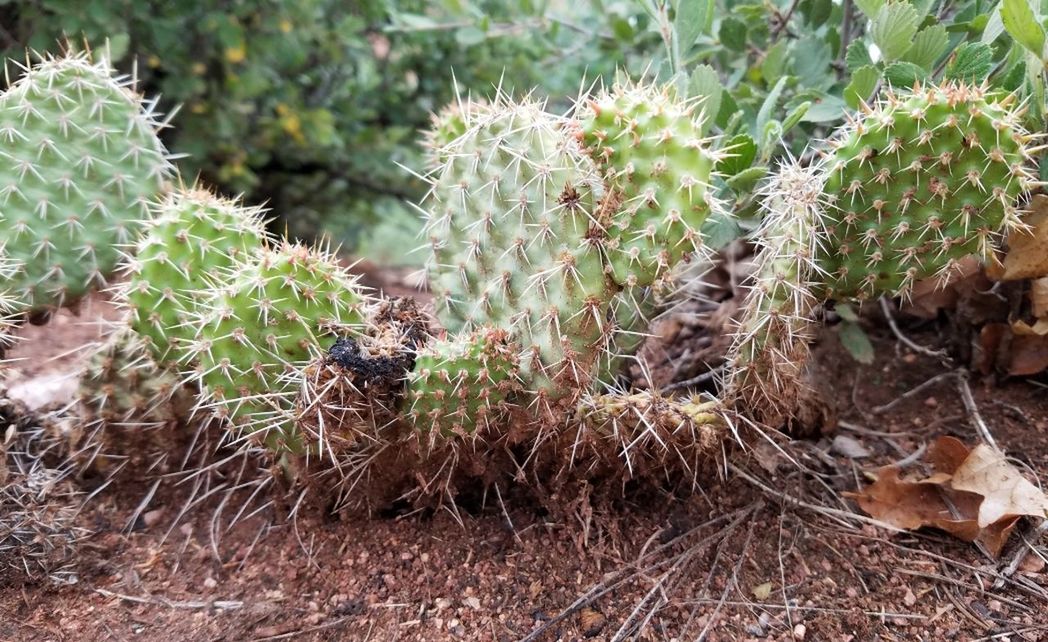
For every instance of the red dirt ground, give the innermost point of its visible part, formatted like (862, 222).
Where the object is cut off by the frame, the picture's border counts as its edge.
(767, 550)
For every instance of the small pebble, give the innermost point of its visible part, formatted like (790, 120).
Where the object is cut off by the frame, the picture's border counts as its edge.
(799, 632)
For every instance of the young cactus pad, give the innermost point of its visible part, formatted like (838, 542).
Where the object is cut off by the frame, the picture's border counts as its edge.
(461, 383)
(193, 236)
(262, 326)
(79, 162)
(650, 145)
(917, 182)
(513, 225)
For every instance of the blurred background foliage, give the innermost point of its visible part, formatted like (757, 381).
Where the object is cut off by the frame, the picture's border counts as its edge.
(314, 106)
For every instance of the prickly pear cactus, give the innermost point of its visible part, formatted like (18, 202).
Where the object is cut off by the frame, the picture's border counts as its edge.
(81, 160)
(910, 187)
(8, 304)
(259, 329)
(462, 383)
(121, 384)
(917, 182)
(650, 146)
(193, 236)
(767, 361)
(515, 244)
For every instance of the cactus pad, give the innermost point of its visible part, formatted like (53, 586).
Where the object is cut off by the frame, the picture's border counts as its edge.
(650, 146)
(122, 384)
(461, 384)
(193, 236)
(512, 222)
(266, 323)
(79, 162)
(917, 182)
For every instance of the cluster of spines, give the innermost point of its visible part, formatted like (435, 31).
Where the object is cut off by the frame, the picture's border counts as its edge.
(80, 162)
(770, 349)
(39, 507)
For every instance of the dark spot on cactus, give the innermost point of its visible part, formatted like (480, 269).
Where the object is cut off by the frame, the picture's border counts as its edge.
(398, 317)
(347, 354)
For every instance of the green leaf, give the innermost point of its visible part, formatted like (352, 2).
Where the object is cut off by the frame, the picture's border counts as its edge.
(863, 81)
(994, 27)
(719, 229)
(795, 116)
(741, 150)
(469, 36)
(894, 28)
(1021, 23)
(733, 34)
(416, 21)
(746, 180)
(855, 341)
(826, 109)
(117, 45)
(817, 12)
(857, 55)
(903, 74)
(971, 62)
(928, 45)
(846, 312)
(694, 18)
(705, 84)
(811, 60)
(764, 115)
(774, 63)
(869, 7)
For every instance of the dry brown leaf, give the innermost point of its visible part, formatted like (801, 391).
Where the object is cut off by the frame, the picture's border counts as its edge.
(1006, 493)
(975, 495)
(930, 295)
(1024, 329)
(1027, 256)
(1028, 353)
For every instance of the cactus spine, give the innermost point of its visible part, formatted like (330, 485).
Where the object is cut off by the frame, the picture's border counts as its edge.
(80, 162)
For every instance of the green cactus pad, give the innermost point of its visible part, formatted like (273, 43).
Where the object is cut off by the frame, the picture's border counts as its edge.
(650, 145)
(266, 323)
(79, 163)
(512, 225)
(193, 236)
(917, 182)
(462, 383)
